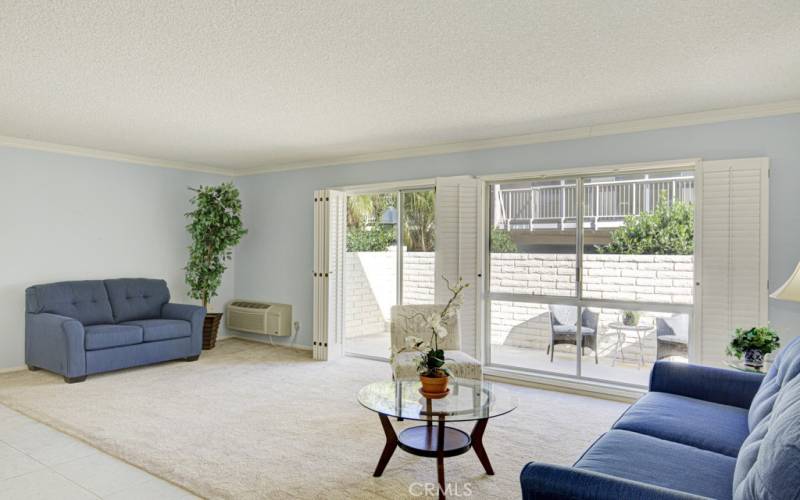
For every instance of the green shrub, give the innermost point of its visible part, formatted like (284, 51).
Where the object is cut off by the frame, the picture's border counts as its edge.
(419, 215)
(762, 338)
(377, 239)
(501, 242)
(667, 230)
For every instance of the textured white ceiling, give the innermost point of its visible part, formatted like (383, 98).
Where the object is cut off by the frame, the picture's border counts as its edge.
(254, 84)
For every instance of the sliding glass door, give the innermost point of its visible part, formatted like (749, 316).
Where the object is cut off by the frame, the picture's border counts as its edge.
(599, 292)
(380, 273)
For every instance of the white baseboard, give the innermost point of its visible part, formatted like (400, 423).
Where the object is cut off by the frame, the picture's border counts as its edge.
(263, 340)
(13, 369)
(582, 387)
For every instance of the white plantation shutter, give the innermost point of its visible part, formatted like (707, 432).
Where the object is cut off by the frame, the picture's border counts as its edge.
(458, 231)
(732, 228)
(329, 227)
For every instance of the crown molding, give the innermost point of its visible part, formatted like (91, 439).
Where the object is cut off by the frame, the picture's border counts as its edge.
(14, 142)
(671, 121)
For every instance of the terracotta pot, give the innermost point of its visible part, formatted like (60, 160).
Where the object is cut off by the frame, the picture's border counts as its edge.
(434, 385)
(210, 329)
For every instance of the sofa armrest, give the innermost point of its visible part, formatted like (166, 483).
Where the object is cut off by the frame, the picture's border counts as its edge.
(717, 385)
(556, 482)
(193, 314)
(55, 343)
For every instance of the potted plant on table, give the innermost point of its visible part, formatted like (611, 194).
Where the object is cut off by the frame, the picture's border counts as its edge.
(215, 226)
(431, 363)
(630, 318)
(753, 344)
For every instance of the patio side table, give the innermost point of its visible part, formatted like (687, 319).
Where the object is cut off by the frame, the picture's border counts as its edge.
(622, 335)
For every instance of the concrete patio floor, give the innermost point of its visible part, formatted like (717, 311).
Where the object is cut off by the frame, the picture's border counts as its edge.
(627, 372)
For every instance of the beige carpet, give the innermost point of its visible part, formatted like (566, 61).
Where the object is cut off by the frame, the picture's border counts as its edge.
(252, 421)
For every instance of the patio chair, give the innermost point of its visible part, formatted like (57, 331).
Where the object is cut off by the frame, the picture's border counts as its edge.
(406, 321)
(563, 329)
(672, 335)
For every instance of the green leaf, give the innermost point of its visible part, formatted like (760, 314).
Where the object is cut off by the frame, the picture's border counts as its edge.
(667, 230)
(215, 227)
(500, 242)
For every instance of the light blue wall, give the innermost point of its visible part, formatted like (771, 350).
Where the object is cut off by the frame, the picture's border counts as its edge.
(274, 260)
(68, 217)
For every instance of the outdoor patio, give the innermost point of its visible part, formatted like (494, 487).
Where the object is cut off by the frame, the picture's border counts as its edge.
(627, 371)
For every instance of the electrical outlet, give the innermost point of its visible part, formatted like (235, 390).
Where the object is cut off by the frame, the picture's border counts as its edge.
(296, 326)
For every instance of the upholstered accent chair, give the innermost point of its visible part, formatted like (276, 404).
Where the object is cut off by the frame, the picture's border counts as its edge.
(78, 328)
(407, 320)
(672, 335)
(564, 330)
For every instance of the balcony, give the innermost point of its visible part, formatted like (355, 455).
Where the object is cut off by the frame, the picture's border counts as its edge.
(606, 202)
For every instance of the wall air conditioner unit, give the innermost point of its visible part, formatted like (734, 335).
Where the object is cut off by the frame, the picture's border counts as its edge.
(263, 318)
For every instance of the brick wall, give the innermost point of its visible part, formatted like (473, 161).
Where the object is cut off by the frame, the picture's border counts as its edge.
(647, 278)
(370, 291)
(370, 288)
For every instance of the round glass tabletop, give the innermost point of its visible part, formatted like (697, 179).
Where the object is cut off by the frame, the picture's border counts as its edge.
(467, 400)
(739, 365)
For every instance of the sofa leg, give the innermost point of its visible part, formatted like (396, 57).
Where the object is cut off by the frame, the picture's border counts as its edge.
(74, 380)
(33, 368)
(192, 358)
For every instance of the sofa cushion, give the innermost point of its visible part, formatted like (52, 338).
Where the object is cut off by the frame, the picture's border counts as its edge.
(647, 459)
(85, 301)
(708, 426)
(136, 298)
(768, 467)
(163, 329)
(572, 329)
(783, 370)
(105, 336)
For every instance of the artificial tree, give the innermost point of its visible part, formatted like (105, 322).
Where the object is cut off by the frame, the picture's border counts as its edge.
(215, 226)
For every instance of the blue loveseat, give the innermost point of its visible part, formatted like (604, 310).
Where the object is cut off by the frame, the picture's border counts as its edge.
(699, 432)
(78, 328)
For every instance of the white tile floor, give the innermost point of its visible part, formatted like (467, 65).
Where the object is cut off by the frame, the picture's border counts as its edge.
(38, 462)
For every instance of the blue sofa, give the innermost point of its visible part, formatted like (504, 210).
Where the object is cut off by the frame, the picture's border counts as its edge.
(78, 328)
(699, 432)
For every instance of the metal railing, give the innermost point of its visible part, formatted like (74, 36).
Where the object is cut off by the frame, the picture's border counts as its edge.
(606, 203)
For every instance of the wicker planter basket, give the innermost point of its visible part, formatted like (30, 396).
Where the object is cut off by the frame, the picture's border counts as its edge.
(210, 329)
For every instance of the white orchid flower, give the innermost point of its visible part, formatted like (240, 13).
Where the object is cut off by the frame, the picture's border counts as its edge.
(413, 342)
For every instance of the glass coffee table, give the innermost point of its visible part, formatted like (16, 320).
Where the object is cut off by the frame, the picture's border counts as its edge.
(468, 401)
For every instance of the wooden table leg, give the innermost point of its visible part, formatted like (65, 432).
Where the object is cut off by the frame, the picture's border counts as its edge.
(477, 445)
(440, 458)
(429, 410)
(388, 449)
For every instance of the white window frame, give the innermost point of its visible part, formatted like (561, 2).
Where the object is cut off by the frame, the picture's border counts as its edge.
(583, 385)
(578, 381)
(398, 187)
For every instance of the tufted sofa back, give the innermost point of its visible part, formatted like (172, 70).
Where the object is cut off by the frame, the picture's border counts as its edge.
(768, 465)
(136, 298)
(86, 301)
